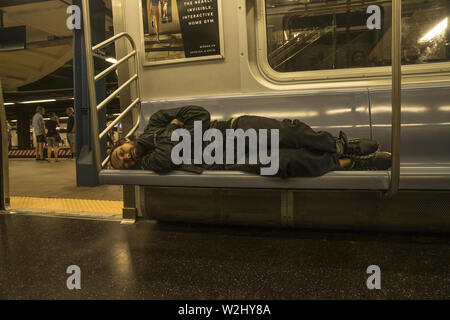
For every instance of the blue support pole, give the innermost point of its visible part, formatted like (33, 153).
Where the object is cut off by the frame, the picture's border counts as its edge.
(85, 163)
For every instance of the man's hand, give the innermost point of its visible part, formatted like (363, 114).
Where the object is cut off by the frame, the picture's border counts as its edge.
(177, 122)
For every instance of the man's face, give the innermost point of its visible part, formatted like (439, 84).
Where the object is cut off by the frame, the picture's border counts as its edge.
(69, 112)
(124, 157)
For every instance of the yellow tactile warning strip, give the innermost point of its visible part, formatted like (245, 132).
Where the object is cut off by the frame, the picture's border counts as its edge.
(77, 205)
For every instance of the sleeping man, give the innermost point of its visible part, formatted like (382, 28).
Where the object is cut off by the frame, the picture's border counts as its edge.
(186, 139)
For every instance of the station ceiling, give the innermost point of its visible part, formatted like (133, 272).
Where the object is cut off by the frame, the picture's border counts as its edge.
(44, 70)
(48, 44)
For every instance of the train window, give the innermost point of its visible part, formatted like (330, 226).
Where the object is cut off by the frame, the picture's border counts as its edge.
(306, 35)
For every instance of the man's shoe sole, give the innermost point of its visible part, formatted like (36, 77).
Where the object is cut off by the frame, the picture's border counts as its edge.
(384, 162)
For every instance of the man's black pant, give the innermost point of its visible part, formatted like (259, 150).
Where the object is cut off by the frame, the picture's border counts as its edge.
(303, 151)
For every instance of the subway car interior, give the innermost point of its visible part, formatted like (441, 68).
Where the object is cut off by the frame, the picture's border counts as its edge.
(378, 70)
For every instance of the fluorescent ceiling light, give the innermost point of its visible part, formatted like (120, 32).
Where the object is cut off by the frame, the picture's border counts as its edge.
(111, 60)
(362, 109)
(383, 109)
(415, 109)
(338, 127)
(411, 109)
(440, 28)
(282, 115)
(9, 103)
(39, 101)
(338, 111)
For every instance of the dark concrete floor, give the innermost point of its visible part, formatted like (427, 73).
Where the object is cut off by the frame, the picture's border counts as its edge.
(164, 261)
(30, 178)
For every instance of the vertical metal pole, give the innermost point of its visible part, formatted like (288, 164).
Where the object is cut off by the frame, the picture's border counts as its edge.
(348, 44)
(129, 192)
(396, 94)
(4, 168)
(91, 84)
(334, 39)
(98, 35)
(85, 163)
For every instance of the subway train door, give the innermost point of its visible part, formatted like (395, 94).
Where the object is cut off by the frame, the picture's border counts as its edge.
(4, 181)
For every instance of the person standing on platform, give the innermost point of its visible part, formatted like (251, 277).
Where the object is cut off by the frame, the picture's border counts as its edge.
(52, 136)
(39, 132)
(9, 128)
(71, 131)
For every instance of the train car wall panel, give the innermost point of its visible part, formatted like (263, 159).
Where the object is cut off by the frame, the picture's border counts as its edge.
(425, 123)
(345, 210)
(410, 211)
(330, 111)
(301, 209)
(189, 78)
(238, 72)
(214, 206)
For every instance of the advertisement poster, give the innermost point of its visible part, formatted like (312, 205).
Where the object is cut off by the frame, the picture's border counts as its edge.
(181, 30)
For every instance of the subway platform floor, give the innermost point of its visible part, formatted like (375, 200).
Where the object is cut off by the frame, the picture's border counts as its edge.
(150, 260)
(42, 179)
(50, 188)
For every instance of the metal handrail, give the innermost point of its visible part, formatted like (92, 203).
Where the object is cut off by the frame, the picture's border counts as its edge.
(120, 117)
(396, 96)
(104, 73)
(115, 93)
(113, 39)
(92, 79)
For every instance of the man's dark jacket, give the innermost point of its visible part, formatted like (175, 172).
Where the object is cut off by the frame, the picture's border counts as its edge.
(156, 139)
